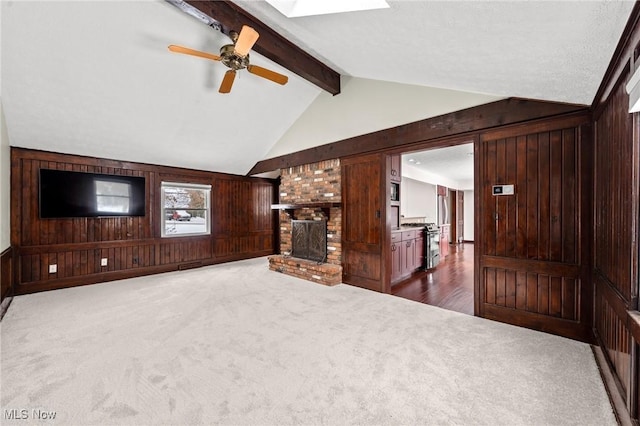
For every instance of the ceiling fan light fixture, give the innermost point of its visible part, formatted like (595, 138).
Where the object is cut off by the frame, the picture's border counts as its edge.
(231, 59)
(298, 8)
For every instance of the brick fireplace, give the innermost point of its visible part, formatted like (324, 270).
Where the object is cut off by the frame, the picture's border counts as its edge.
(311, 192)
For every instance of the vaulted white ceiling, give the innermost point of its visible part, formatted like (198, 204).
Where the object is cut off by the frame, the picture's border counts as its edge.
(95, 78)
(548, 50)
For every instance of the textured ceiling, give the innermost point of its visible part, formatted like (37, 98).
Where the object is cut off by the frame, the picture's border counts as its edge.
(96, 79)
(549, 50)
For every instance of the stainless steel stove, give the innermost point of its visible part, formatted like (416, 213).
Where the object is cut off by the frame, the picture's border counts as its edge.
(431, 244)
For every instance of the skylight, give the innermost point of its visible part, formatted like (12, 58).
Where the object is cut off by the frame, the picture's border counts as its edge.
(297, 8)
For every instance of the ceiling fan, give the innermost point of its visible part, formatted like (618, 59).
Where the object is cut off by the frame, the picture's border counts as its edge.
(236, 57)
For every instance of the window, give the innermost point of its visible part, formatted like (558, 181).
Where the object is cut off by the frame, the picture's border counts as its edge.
(185, 209)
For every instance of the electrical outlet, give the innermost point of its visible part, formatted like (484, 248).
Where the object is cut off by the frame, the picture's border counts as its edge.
(53, 268)
(104, 261)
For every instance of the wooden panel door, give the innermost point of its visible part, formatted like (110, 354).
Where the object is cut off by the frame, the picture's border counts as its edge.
(364, 187)
(534, 264)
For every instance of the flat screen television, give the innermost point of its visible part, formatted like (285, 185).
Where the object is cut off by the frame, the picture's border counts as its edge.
(79, 194)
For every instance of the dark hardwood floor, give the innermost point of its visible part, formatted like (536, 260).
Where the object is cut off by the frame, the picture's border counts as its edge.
(449, 285)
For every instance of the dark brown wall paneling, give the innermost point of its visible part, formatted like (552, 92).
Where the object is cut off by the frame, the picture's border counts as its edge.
(532, 271)
(616, 238)
(612, 333)
(616, 195)
(242, 226)
(6, 283)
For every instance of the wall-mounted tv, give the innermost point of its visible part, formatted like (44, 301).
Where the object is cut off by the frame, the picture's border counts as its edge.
(78, 194)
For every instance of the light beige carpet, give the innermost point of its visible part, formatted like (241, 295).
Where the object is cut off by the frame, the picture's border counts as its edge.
(237, 344)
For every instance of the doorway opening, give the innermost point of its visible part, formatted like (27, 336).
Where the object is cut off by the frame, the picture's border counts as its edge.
(437, 187)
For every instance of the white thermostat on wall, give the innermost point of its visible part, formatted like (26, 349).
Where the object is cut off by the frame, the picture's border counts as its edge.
(503, 190)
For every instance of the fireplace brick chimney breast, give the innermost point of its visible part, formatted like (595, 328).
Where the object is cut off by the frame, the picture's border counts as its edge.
(311, 183)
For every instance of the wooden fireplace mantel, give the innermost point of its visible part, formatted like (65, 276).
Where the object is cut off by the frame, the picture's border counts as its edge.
(290, 208)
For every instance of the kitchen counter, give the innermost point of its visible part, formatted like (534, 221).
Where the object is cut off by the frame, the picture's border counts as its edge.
(406, 228)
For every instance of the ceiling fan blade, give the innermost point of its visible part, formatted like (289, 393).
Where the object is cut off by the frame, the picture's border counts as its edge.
(247, 38)
(187, 51)
(268, 74)
(227, 81)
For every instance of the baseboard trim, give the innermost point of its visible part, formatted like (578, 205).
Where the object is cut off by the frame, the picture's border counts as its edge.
(581, 331)
(56, 284)
(617, 401)
(4, 306)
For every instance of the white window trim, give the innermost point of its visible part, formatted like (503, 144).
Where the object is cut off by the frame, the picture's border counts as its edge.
(206, 188)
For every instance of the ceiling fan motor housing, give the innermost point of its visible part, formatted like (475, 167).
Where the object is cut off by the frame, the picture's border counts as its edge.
(236, 57)
(231, 59)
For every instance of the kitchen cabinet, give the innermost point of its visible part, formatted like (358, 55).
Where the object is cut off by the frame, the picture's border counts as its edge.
(396, 262)
(408, 256)
(407, 252)
(394, 174)
(396, 171)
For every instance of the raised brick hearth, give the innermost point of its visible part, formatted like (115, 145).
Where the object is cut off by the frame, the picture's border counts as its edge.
(322, 273)
(307, 185)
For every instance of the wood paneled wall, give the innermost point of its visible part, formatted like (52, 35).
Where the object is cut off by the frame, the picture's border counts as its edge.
(242, 225)
(616, 195)
(6, 273)
(616, 238)
(614, 190)
(533, 255)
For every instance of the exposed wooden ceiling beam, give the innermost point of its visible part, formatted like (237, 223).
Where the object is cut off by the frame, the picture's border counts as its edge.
(482, 117)
(271, 44)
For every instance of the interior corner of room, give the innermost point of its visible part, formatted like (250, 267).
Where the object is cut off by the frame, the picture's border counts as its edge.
(5, 241)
